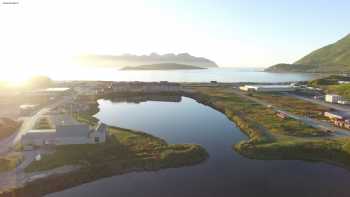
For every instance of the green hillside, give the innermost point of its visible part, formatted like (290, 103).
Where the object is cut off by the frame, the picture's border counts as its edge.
(331, 58)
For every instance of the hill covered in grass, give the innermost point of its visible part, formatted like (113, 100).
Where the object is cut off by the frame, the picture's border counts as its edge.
(334, 58)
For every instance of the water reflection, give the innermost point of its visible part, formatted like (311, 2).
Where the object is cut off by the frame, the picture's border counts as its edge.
(225, 173)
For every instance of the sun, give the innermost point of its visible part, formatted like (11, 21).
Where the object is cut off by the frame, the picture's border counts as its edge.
(15, 75)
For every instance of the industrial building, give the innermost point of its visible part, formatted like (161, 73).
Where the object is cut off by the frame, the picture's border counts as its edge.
(332, 98)
(339, 119)
(65, 131)
(336, 115)
(267, 88)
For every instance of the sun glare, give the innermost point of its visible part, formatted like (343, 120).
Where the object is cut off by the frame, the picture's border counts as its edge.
(14, 76)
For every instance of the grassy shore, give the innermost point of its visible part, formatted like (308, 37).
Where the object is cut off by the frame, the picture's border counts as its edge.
(124, 147)
(262, 121)
(9, 162)
(8, 127)
(271, 137)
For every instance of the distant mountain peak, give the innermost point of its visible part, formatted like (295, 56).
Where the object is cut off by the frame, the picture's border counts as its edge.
(129, 60)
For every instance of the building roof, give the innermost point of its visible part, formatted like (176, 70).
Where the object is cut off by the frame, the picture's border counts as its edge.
(43, 135)
(271, 86)
(72, 131)
(55, 89)
(27, 106)
(51, 90)
(63, 120)
(42, 131)
(340, 113)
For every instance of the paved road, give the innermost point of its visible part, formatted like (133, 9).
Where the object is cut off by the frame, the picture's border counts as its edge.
(309, 121)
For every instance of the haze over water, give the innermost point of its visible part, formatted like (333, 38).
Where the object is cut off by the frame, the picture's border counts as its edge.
(205, 75)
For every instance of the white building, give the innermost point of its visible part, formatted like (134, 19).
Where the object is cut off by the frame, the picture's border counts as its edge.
(344, 82)
(342, 102)
(333, 98)
(267, 88)
(66, 132)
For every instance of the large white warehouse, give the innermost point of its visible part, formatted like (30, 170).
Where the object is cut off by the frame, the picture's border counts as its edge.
(268, 88)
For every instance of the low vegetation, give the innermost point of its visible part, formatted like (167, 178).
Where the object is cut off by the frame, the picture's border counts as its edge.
(9, 162)
(271, 137)
(124, 148)
(293, 105)
(252, 115)
(8, 127)
(333, 151)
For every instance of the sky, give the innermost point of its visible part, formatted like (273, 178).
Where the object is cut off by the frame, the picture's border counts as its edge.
(233, 33)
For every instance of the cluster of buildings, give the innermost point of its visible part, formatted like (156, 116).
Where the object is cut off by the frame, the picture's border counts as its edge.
(65, 131)
(281, 115)
(339, 119)
(267, 88)
(50, 93)
(334, 98)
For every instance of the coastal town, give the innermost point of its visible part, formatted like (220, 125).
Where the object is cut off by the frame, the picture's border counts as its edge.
(60, 115)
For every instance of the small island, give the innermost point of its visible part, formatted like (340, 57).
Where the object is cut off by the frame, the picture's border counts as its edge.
(163, 66)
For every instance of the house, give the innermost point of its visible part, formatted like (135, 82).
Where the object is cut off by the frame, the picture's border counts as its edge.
(344, 82)
(267, 88)
(343, 102)
(339, 119)
(282, 115)
(335, 115)
(332, 98)
(66, 131)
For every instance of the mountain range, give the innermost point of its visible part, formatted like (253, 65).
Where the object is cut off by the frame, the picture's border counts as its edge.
(163, 66)
(333, 58)
(129, 60)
